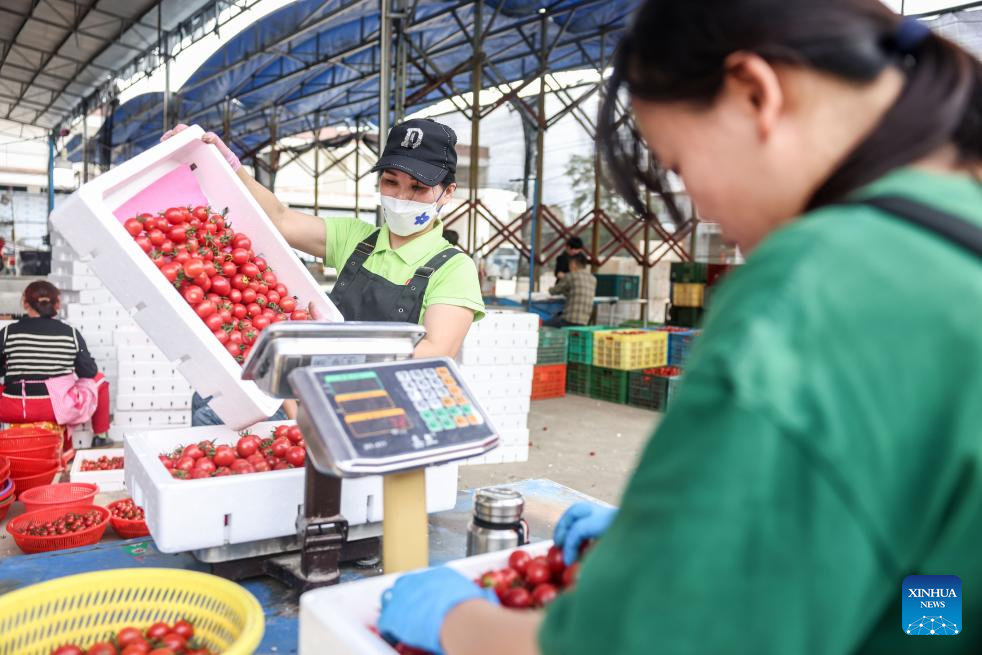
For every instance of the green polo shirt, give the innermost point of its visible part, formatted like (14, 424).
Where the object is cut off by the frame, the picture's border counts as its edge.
(455, 283)
(825, 443)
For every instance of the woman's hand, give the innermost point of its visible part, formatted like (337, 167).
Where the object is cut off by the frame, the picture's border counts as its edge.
(581, 522)
(414, 609)
(212, 138)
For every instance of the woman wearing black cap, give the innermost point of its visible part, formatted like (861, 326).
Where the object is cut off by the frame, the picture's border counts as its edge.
(405, 271)
(824, 444)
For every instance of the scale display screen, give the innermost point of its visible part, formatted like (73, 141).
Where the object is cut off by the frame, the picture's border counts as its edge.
(402, 408)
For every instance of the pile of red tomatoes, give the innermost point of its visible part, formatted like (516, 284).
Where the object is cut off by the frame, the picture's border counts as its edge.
(158, 639)
(283, 449)
(217, 272)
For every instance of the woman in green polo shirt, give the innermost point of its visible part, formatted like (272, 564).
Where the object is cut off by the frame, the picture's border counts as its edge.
(825, 442)
(405, 271)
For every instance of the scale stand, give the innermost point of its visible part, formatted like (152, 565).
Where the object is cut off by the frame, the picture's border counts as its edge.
(365, 409)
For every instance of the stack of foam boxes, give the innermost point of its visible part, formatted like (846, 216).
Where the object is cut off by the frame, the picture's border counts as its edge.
(143, 387)
(497, 361)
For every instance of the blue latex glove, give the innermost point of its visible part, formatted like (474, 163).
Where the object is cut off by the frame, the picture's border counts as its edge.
(581, 521)
(413, 610)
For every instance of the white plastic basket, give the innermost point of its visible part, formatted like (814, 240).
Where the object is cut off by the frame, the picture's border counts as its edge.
(337, 619)
(194, 514)
(181, 170)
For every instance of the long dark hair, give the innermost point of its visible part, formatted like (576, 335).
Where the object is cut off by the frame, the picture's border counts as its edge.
(676, 50)
(42, 297)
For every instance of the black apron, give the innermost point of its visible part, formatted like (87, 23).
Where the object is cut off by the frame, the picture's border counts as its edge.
(361, 295)
(945, 225)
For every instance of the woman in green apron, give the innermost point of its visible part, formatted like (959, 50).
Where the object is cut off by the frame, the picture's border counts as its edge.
(825, 441)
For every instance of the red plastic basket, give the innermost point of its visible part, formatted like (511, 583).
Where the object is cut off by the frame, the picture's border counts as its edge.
(31, 481)
(6, 491)
(30, 544)
(126, 528)
(4, 470)
(65, 494)
(549, 381)
(30, 442)
(21, 467)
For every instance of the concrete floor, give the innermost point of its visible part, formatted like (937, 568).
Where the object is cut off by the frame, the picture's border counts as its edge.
(586, 444)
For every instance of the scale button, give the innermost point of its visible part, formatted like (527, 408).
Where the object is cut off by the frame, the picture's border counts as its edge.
(460, 421)
(409, 385)
(448, 401)
(401, 375)
(434, 424)
(465, 409)
(414, 394)
(448, 423)
(443, 370)
(426, 414)
(474, 419)
(461, 399)
(435, 403)
(421, 406)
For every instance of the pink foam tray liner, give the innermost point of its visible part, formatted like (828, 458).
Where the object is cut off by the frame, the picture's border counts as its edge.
(178, 188)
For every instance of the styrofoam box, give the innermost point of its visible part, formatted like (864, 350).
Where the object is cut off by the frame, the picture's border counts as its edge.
(110, 312)
(496, 374)
(70, 267)
(511, 404)
(243, 508)
(338, 619)
(145, 386)
(169, 402)
(75, 282)
(182, 169)
(132, 337)
(140, 354)
(151, 418)
(101, 353)
(83, 438)
(107, 480)
(505, 422)
(100, 325)
(88, 297)
(153, 369)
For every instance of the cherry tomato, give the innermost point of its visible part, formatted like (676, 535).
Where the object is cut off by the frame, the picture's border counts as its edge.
(517, 597)
(519, 560)
(296, 456)
(214, 322)
(167, 462)
(174, 641)
(220, 285)
(206, 309)
(193, 451)
(234, 349)
(281, 431)
(544, 594)
(537, 572)
(203, 281)
(101, 648)
(241, 467)
(194, 295)
(249, 269)
(554, 558)
(288, 304)
(69, 649)
(136, 648)
(221, 335)
(178, 234)
(294, 434)
(206, 465)
(133, 226)
(229, 269)
(126, 636)
(224, 456)
(162, 651)
(249, 296)
(262, 467)
(240, 256)
(194, 267)
(170, 271)
(184, 464)
(298, 315)
(570, 575)
(508, 577)
(144, 244)
(174, 216)
(240, 282)
(269, 277)
(247, 445)
(280, 446)
(242, 241)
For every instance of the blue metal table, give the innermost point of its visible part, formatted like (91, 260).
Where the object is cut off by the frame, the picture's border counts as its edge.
(544, 503)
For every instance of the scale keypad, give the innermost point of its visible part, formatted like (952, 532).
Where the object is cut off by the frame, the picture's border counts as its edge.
(441, 403)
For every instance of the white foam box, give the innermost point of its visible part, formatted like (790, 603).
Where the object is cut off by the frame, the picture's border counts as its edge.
(75, 313)
(145, 386)
(140, 355)
(75, 282)
(101, 354)
(69, 267)
(97, 339)
(163, 402)
(150, 418)
(132, 337)
(100, 325)
(511, 404)
(339, 619)
(88, 297)
(181, 170)
(244, 508)
(153, 369)
(107, 480)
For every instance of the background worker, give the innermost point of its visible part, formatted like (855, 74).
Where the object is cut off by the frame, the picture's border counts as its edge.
(579, 286)
(37, 349)
(574, 246)
(824, 442)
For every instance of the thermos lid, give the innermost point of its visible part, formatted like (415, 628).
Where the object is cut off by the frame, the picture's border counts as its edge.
(498, 505)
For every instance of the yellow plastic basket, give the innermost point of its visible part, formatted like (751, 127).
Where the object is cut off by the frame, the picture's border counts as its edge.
(688, 295)
(91, 607)
(629, 350)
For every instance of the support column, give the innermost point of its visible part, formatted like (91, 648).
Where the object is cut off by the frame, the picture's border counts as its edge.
(399, 23)
(51, 178)
(358, 169)
(475, 160)
(597, 163)
(317, 169)
(85, 144)
(384, 82)
(162, 49)
(646, 264)
(540, 156)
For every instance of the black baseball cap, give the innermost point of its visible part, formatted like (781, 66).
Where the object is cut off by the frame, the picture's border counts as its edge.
(422, 148)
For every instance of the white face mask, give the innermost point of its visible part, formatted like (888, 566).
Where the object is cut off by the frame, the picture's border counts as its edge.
(407, 217)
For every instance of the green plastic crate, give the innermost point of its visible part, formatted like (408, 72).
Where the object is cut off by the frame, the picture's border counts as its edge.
(625, 287)
(552, 346)
(580, 343)
(689, 272)
(652, 389)
(684, 316)
(608, 384)
(578, 379)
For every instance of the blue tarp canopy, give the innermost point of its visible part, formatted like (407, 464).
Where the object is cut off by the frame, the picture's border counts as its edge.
(316, 62)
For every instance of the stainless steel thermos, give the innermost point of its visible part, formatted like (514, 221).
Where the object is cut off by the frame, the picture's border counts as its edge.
(497, 523)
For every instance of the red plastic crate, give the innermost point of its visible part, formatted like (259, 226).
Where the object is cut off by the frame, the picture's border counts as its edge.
(549, 381)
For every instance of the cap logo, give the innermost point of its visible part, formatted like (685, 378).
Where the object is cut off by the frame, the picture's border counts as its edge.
(413, 138)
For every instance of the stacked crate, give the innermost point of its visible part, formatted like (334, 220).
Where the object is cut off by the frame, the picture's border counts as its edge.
(687, 294)
(579, 357)
(549, 376)
(107, 329)
(497, 362)
(625, 287)
(679, 345)
(618, 352)
(653, 388)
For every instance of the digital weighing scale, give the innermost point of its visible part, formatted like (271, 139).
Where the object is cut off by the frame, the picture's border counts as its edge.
(366, 409)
